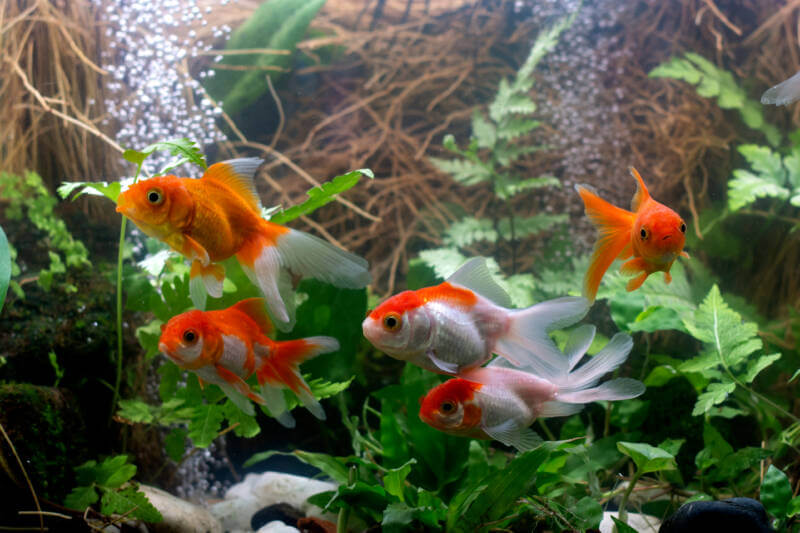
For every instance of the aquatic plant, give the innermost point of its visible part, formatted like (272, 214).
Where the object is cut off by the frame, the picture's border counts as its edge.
(5, 266)
(28, 199)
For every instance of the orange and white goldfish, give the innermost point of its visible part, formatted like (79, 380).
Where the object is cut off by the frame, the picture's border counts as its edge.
(457, 325)
(784, 93)
(499, 402)
(652, 233)
(226, 347)
(219, 215)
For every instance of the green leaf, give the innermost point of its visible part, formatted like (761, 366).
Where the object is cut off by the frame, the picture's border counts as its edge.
(81, 497)
(776, 492)
(757, 365)
(793, 507)
(715, 394)
(589, 512)
(205, 424)
(5, 267)
(660, 376)
(244, 424)
(333, 467)
(319, 196)
(175, 443)
(647, 458)
(444, 261)
(93, 188)
(716, 448)
(394, 479)
(129, 500)
(621, 526)
(135, 410)
(463, 171)
(497, 492)
(745, 188)
(182, 148)
(483, 131)
(743, 459)
(470, 230)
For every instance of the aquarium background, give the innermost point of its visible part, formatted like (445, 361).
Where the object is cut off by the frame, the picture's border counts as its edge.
(476, 119)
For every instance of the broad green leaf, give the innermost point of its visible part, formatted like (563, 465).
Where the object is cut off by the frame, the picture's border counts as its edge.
(660, 376)
(94, 188)
(368, 501)
(394, 479)
(205, 424)
(129, 501)
(319, 196)
(333, 467)
(5, 267)
(621, 526)
(646, 457)
(793, 507)
(589, 511)
(81, 497)
(672, 446)
(175, 443)
(743, 459)
(776, 492)
(716, 448)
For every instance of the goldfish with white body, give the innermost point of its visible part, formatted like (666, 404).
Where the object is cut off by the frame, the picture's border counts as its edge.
(226, 347)
(218, 216)
(457, 325)
(651, 232)
(499, 402)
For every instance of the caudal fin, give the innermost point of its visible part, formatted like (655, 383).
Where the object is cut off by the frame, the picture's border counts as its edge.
(312, 257)
(281, 367)
(205, 279)
(614, 226)
(527, 342)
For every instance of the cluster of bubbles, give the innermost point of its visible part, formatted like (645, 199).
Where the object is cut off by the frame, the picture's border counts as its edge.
(151, 95)
(199, 474)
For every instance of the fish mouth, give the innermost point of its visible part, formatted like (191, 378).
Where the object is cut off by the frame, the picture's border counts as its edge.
(162, 347)
(666, 237)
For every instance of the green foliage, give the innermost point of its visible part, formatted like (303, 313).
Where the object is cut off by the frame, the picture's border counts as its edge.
(111, 479)
(319, 196)
(647, 458)
(28, 198)
(772, 176)
(495, 145)
(276, 25)
(714, 82)
(776, 495)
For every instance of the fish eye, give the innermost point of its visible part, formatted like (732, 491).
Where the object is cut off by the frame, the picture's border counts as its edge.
(392, 322)
(447, 407)
(190, 336)
(683, 227)
(155, 196)
(643, 233)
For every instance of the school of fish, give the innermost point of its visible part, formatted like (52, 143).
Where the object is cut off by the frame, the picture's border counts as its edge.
(452, 329)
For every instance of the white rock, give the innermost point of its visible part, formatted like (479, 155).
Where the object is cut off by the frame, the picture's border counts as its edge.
(179, 516)
(235, 514)
(276, 526)
(642, 523)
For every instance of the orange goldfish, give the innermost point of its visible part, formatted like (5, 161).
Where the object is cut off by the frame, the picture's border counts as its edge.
(499, 402)
(653, 234)
(457, 325)
(219, 215)
(227, 347)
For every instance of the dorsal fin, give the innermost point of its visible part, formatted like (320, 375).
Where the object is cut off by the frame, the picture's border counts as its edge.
(237, 175)
(641, 191)
(255, 309)
(475, 276)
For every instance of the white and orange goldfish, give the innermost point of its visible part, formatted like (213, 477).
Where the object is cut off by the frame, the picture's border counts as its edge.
(499, 402)
(219, 215)
(457, 325)
(226, 347)
(652, 233)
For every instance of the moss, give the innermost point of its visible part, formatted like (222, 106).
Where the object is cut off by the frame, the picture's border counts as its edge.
(48, 433)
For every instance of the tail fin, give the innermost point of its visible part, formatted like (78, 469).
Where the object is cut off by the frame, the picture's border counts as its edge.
(614, 226)
(281, 367)
(205, 279)
(527, 343)
(312, 257)
(579, 385)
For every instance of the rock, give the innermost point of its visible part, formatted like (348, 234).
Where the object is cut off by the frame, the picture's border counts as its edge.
(734, 514)
(257, 491)
(276, 526)
(642, 523)
(280, 511)
(179, 516)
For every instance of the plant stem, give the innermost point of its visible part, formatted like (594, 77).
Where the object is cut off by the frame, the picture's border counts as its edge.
(623, 512)
(344, 512)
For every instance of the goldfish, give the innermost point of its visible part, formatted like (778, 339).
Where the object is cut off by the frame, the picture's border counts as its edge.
(652, 233)
(218, 216)
(227, 347)
(784, 93)
(459, 324)
(500, 402)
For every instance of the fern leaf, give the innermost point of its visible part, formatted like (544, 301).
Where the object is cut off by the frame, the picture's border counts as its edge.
(483, 131)
(524, 227)
(715, 394)
(765, 162)
(470, 230)
(443, 261)
(506, 188)
(464, 172)
(514, 127)
(746, 187)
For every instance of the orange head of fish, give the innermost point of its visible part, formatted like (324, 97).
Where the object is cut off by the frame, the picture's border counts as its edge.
(188, 340)
(159, 206)
(451, 407)
(658, 234)
(399, 325)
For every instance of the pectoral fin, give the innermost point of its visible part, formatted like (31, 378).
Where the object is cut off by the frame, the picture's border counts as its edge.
(444, 366)
(511, 434)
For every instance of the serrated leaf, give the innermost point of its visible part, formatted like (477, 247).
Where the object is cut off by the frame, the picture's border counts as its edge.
(715, 394)
(524, 227)
(135, 410)
(205, 424)
(175, 443)
(469, 230)
(81, 497)
(776, 492)
(765, 162)
(93, 188)
(319, 196)
(129, 500)
(677, 68)
(514, 127)
(483, 131)
(244, 424)
(463, 171)
(757, 365)
(182, 148)
(646, 457)
(745, 188)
